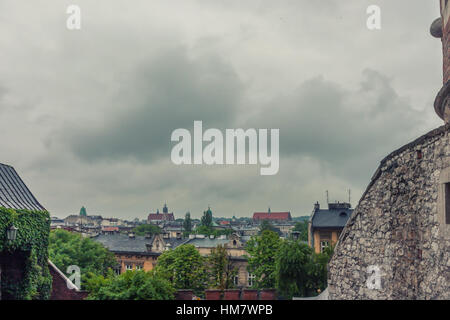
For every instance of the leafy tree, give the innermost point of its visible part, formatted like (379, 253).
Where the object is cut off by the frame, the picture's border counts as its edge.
(318, 274)
(187, 224)
(184, 267)
(262, 251)
(266, 225)
(144, 229)
(294, 265)
(222, 271)
(131, 285)
(299, 270)
(302, 227)
(207, 218)
(67, 248)
(207, 231)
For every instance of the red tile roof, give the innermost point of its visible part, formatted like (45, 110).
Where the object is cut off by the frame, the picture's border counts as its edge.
(110, 229)
(272, 216)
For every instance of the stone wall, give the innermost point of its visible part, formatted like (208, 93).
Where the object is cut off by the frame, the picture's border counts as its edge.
(398, 226)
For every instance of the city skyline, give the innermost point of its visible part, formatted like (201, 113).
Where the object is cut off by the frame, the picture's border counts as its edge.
(87, 114)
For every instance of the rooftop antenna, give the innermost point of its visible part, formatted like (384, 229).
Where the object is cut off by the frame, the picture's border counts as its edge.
(350, 196)
(327, 197)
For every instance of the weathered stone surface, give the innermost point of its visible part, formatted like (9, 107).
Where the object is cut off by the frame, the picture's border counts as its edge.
(396, 227)
(436, 28)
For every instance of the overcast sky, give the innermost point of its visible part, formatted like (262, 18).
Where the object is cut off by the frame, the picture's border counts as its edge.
(86, 115)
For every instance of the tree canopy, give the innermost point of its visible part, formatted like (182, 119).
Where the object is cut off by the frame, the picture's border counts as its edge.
(187, 223)
(184, 267)
(300, 271)
(67, 248)
(262, 250)
(131, 285)
(207, 218)
(302, 227)
(221, 269)
(144, 229)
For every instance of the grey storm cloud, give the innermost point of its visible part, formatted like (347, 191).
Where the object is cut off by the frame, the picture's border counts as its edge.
(86, 116)
(346, 130)
(169, 92)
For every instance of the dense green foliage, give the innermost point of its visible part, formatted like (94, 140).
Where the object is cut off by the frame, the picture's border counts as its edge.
(299, 271)
(131, 285)
(144, 229)
(31, 244)
(221, 269)
(187, 223)
(67, 248)
(262, 250)
(302, 227)
(184, 267)
(208, 231)
(207, 218)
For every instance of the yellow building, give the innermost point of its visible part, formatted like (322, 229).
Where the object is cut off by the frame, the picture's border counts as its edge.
(326, 225)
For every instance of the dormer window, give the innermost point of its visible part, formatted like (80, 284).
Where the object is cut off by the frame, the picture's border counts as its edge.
(343, 214)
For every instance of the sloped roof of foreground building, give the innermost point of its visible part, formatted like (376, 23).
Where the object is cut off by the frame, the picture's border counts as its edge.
(14, 194)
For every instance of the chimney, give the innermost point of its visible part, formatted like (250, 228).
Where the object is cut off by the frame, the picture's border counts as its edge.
(316, 206)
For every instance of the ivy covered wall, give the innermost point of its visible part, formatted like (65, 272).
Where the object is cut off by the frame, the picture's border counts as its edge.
(30, 254)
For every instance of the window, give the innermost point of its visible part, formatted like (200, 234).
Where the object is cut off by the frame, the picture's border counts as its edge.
(117, 271)
(251, 279)
(323, 245)
(447, 202)
(138, 267)
(129, 267)
(236, 280)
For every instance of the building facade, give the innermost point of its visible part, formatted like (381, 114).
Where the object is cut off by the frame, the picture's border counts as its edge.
(325, 225)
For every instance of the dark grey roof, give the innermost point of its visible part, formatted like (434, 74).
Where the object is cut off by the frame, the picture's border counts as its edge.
(14, 194)
(207, 242)
(330, 218)
(119, 242)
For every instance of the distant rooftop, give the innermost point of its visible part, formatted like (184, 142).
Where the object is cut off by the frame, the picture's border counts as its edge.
(123, 243)
(335, 216)
(14, 194)
(272, 216)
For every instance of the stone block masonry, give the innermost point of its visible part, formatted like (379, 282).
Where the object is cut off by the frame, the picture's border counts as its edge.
(399, 226)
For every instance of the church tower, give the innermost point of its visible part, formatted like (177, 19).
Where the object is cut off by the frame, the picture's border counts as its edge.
(441, 29)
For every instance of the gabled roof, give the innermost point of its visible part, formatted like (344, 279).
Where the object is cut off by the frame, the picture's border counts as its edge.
(14, 194)
(122, 243)
(272, 216)
(333, 217)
